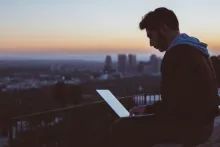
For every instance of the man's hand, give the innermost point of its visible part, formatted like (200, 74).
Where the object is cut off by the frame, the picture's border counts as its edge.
(138, 110)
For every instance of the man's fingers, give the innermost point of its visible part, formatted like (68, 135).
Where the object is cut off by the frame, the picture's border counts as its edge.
(131, 112)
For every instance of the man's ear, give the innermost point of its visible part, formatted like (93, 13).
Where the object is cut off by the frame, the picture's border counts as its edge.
(163, 29)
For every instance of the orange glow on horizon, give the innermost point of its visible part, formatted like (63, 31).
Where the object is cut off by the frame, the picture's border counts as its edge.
(88, 44)
(71, 44)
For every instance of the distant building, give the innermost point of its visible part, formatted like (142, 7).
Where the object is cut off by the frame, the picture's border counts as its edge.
(108, 64)
(132, 62)
(155, 64)
(144, 67)
(104, 77)
(140, 67)
(122, 62)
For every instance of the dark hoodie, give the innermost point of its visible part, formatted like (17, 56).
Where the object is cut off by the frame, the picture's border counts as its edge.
(188, 83)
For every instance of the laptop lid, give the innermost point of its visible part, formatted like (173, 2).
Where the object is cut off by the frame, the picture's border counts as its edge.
(114, 103)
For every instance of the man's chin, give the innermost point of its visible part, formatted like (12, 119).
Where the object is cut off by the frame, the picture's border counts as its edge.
(161, 50)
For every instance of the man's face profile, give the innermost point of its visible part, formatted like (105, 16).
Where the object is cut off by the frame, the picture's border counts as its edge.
(157, 40)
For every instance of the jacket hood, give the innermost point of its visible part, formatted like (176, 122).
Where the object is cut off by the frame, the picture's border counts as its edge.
(192, 41)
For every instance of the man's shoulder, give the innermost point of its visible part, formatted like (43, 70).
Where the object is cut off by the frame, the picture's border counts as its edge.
(184, 51)
(183, 55)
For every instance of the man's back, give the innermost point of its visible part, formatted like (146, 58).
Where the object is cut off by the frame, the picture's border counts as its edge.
(188, 86)
(188, 89)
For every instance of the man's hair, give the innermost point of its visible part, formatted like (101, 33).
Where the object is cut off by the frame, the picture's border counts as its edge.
(159, 17)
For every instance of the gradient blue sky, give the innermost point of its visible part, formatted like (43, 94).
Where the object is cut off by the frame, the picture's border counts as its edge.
(97, 26)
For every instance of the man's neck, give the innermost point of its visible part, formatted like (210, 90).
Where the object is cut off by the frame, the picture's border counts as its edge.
(173, 35)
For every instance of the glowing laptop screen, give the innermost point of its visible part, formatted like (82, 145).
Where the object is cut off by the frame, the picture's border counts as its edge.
(114, 103)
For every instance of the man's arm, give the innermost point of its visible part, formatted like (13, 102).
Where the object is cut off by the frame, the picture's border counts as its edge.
(151, 109)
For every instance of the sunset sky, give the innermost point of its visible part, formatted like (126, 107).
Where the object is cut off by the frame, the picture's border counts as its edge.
(97, 26)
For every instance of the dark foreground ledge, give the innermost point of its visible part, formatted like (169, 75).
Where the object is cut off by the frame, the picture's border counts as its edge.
(82, 126)
(214, 140)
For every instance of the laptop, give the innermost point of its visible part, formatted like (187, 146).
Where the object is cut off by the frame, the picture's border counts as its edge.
(114, 103)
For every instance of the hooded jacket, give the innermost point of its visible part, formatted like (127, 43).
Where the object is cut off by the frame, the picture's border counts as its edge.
(184, 39)
(188, 83)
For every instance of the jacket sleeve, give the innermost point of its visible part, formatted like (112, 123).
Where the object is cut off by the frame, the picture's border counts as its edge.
(152, 109)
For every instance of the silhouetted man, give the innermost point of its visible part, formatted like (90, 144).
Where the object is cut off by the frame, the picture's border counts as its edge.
(188, 89)
(216, 65)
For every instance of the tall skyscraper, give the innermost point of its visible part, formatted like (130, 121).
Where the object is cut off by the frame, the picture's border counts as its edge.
(108, 64)
(132, 62)
(122, 62)
(155, 64)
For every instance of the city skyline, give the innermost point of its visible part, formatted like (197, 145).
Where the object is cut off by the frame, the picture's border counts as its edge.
(91, 57)
(99, 26)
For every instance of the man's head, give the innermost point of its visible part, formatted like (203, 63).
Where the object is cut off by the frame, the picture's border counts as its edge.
(162, 26)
